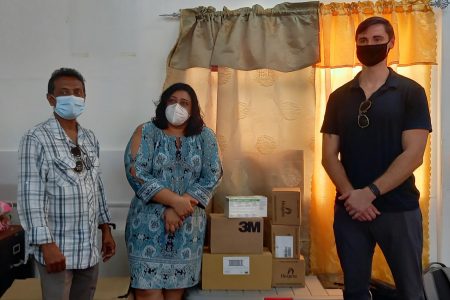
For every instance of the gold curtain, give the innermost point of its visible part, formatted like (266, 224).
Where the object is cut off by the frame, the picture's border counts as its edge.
(248, 38)
(257, 116)
(413, 55)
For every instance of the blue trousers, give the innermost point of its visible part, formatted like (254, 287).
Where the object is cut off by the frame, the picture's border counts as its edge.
(399, 235)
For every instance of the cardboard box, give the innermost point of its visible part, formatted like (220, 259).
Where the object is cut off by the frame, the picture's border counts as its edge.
(243, 235)
(285, 206)
(237, 272)
(282, 240)
(288, 272)
(245, 206)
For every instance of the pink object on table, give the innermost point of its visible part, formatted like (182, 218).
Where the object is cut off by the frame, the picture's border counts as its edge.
(4, 218)
(4, 208)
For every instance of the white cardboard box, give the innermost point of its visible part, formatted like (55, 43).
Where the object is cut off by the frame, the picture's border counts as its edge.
(245, 207)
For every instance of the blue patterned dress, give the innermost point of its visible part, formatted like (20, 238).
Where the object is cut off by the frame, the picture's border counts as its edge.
(160, 260)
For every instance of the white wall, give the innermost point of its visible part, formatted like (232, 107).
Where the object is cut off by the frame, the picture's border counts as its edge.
(121, 48)
(443, 205)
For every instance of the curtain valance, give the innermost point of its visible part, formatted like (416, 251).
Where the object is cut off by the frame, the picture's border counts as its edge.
(283, 38)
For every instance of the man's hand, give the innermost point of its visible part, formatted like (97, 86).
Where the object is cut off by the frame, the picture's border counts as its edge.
(108, 244)
(172, 220)
(368, 215)
(358, 204)
(54, 260)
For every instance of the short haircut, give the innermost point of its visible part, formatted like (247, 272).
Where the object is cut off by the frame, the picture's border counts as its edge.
(373, 21)
(62, 72)
(195, 122)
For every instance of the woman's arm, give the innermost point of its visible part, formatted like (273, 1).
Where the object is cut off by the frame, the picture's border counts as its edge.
(138, 167)
(211, 174)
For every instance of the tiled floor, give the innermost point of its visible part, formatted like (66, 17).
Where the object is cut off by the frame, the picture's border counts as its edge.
(112, 288)
(30, 289)
(313, 290)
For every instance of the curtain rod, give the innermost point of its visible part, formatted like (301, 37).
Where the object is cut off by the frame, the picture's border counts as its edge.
(442, 4)
(173, 15)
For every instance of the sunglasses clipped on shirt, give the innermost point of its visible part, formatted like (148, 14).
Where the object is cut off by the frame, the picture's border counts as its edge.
(363, 119)
(77, 154)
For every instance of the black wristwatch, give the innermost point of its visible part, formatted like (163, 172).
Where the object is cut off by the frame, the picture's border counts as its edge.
(374, 189)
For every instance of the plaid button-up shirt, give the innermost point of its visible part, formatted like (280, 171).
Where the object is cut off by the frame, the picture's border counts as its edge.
(55, 203)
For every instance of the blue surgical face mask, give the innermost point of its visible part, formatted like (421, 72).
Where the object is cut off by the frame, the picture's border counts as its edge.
(69, 107)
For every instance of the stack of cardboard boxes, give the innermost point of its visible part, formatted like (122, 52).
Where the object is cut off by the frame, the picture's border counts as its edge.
(282, 237)
(236, 259)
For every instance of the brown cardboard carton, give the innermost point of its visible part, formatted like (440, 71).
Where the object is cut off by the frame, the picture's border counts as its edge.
(285, 206)
(288, 272)
(243, 235)
(282, 240)
(237, 271)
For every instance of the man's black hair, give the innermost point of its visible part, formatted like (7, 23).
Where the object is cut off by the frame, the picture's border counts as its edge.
(61, 73)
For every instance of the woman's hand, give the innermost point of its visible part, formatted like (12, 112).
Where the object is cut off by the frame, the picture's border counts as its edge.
(182, 206)
(192, 200)
(172, 220)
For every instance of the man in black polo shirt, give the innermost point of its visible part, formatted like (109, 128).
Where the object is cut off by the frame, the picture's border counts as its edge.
(374, 135)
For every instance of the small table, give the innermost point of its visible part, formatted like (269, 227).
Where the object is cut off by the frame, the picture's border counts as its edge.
(12, 257)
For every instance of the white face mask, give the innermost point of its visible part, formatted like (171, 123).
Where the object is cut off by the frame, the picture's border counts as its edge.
(176, 114)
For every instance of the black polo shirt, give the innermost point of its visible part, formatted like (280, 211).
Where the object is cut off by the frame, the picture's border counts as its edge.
(366, 153)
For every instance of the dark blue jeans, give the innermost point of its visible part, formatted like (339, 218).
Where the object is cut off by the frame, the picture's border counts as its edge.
(399, 235)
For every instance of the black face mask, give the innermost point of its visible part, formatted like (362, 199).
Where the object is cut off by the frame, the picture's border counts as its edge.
(370, 55)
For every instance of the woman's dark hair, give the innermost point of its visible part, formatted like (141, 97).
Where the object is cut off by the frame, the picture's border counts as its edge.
(195, 122)
(373, 21)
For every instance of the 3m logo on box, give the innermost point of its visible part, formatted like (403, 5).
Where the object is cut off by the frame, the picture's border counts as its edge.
(243, 235)
(249, 226)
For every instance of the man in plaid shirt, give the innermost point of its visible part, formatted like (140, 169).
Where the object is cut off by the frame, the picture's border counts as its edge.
(61, 200)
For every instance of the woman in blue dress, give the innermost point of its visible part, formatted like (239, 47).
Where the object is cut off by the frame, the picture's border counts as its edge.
(173, 165)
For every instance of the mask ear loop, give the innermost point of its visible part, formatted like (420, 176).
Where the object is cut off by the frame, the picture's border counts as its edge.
(387, 46)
